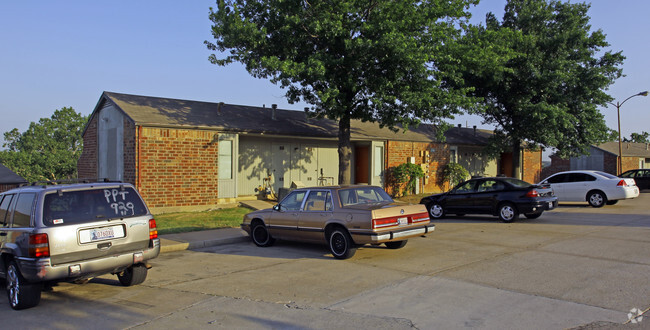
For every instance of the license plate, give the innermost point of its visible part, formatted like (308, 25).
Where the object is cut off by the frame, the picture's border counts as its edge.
(550, 205)
(403, 221)
(100, 234)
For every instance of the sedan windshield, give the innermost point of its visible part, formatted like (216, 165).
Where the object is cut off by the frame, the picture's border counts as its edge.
(363, 195)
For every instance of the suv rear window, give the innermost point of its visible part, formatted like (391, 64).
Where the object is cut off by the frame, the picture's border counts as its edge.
(73, 207)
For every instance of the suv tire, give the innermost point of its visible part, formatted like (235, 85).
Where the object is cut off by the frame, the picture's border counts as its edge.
(21, 294)
(133, 275)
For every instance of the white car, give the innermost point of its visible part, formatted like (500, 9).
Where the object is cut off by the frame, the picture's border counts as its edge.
(595, 187)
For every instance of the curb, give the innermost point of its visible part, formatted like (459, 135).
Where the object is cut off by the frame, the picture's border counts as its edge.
(201, 239)
(167, 245)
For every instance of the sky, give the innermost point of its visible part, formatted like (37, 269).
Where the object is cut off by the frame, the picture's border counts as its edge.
(57, 54)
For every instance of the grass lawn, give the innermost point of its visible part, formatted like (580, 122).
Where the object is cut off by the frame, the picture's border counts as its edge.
(171, 223)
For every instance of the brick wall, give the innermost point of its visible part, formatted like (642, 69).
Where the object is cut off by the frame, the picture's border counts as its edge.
(398, 153)
(5, 187)
(630, 163)
(87, 163)
(178, 168)
(610, 163)
(129, 150)
(557, 165)
(532, 166)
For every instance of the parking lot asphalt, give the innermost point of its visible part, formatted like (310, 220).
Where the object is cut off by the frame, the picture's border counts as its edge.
(215, 237)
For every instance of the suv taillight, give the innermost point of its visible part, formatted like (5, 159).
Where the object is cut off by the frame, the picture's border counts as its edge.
(39, 246)
(153, 230)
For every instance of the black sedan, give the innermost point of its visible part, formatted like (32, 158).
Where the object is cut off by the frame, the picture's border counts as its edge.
(641, 177)
(500, 196)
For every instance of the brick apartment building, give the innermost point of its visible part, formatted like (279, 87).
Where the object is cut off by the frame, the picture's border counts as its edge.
(186, 155)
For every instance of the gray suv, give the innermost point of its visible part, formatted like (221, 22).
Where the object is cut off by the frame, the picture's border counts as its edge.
(73, 232)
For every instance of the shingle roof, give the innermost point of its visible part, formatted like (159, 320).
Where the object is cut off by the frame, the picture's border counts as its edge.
(155, 111)
(629, 149)
(7, 176)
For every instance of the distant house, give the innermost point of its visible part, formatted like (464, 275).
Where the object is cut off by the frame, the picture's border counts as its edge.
(9, 179)
(604, 157)
(185, 155)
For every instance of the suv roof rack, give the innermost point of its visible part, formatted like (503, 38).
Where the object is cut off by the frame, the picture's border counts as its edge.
(69, 181)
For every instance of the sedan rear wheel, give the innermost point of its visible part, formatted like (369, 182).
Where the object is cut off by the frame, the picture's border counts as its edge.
(436, 211)
(341, 244)
(508, 212)
(597, 199)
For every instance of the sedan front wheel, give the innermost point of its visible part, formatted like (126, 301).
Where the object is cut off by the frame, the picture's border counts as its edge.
(508, 212)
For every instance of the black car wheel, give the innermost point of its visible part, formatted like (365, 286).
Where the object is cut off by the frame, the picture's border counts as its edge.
(260, 235)
(396, 244)
(597, 198)
(133, 275)
(21, 294)
(507, 212)
(340, 244)
(436, 211)
(533, 215)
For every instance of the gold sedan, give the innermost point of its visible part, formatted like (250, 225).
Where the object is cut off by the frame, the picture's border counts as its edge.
(344, 217)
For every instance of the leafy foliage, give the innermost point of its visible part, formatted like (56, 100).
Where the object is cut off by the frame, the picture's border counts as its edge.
(643, 137)
(407, 173)
(368, 60)
(48, 150)
(454, 173)
(540, 74)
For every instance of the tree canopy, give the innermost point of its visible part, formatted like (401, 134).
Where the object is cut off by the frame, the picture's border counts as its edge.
(48, 150)
(369, 60)
(643, 137)
(540, 74)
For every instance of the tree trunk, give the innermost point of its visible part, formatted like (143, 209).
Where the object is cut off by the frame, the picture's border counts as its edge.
(516, 156)
(345, 150)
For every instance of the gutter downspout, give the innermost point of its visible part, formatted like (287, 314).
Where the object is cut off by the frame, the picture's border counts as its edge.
(139, 132)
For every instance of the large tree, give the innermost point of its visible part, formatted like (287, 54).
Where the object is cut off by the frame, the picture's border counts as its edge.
(48, 150)
(541, 74)
(369, 60)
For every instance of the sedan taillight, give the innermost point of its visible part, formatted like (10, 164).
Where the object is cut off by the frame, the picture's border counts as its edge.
(385, 222)
(532, 193)
(153, 230)
(622, 183)
(39, 246)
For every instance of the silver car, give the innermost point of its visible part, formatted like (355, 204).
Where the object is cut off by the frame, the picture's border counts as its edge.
(73, 232)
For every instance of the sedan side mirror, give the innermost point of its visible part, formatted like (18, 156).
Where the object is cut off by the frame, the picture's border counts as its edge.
(276, 207)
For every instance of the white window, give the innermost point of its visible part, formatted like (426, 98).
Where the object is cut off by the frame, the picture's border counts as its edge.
(453, 154)
(378, 167)
(225, 159)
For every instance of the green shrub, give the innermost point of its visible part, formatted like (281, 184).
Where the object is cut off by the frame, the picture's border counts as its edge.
(406, 173)
(454, 173)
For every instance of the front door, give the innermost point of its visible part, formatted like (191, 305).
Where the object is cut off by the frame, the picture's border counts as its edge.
(361, 164)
